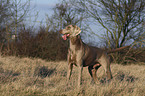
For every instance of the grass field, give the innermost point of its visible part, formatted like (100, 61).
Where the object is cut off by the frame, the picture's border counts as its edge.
(36, 77)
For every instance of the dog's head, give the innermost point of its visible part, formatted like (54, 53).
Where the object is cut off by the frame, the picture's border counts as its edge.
(70, 31)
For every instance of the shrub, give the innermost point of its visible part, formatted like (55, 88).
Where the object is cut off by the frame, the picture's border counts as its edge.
(45, 45)
(128, 56)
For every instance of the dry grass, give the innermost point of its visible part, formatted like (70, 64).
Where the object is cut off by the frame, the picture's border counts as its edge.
(36, 77)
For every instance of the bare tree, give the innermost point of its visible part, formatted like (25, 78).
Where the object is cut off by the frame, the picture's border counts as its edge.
(64, 14)
(5, 14)
(12, 15)
(121, 19)
(20, 11)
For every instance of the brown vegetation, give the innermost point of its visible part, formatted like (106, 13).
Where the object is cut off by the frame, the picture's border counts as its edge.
(45, 45)
(25, 76)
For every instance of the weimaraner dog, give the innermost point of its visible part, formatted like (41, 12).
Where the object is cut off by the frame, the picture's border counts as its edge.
(83, 55)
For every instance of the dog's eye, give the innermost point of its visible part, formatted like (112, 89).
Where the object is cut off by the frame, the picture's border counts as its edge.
(68, 27)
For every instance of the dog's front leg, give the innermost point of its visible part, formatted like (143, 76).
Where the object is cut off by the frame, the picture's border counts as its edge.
(70, 65)
(69, 72)
(80, 75)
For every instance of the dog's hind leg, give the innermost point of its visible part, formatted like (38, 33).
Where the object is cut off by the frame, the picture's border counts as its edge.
(104, 61)
(92, 70)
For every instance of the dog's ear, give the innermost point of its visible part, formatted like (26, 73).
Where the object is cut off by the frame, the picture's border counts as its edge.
(77, 30)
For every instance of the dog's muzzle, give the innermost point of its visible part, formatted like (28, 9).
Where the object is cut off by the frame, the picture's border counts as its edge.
(65, 36)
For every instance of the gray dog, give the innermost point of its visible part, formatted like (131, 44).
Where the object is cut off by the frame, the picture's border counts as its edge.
(83, 55)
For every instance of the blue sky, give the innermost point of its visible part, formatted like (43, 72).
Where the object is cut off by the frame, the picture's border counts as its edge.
(44, 7)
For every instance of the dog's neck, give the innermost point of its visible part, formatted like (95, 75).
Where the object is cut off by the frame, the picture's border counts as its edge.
(75, 42)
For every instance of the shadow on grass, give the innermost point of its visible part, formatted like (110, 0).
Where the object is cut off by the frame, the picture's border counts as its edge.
(8, 75)
(120, 76)
(43, 71)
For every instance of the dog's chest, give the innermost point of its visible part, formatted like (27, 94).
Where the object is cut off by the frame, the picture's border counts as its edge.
(73, 49)
(75, 54)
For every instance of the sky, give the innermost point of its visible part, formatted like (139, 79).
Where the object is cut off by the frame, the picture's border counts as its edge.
(44, 7)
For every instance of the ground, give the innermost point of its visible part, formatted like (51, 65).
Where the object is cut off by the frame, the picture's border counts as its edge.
(37, 77)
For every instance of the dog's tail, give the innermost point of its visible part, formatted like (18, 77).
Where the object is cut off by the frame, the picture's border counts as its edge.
(118, 49)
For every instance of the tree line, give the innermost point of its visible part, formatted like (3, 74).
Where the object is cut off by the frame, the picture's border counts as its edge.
(123, 23)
